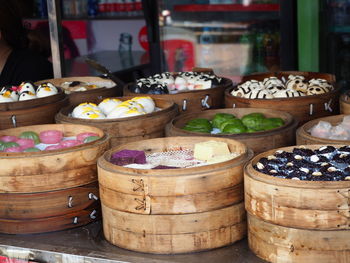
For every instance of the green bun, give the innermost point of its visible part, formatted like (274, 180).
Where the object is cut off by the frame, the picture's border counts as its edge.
(30, 135)
(32, 149)
(250, 130)
(199, 125)
(233, 128)
(271, 123)
(204, 130)
(220, 118)
(253, 120)
(236, 122)
(91, 139)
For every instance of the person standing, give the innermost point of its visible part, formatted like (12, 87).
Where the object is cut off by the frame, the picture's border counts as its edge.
(18, 63)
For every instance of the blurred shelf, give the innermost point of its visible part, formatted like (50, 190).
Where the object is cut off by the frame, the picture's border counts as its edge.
(234, 25)
(93, 18)
(340, 29)
(228, 8)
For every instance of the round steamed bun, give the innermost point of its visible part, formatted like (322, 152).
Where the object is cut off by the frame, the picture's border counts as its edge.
(107, 105)
(147, 103)
(78, 110)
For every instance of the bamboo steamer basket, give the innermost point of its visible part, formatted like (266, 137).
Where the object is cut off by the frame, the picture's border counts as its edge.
(345, 103)
(107, 88)
(170, 234)
(192, 101)
(51, 170)
(303, 108)
(48, 224)
(304, 137)
(257, 141)
(123, 130)
(50, 190)
(26, 206)
(179, 200)
(296, 221)
(31, 112)
(281, 244)
(172, 191)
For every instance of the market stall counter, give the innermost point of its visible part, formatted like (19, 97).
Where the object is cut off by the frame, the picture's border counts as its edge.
(87, 244)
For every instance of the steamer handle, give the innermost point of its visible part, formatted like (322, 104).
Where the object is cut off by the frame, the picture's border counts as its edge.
(184, 105)
(327, 106)
(205, 102)
(14, 122)
(92, 196)
(311, 109)
(70, 201)
(93, 214)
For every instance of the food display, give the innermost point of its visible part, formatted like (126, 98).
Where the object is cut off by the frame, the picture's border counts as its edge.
(296, 200)
(111, 108)
(228, 124)
(48, 173)
(76, 85)
(327, 163)
(273, 87)
(340, 131)
(30, 141)
(304, 95)
(27, 91)
(150, 192)
(168, 83)
(204, 153)
(111, 115)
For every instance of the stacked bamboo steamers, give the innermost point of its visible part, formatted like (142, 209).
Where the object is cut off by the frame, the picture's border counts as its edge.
(291, 219)
(168, 211)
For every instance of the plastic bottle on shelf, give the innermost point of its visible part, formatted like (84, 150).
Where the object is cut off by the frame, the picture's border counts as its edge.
(206, 40)
(138, 8)
(129, 7)
(80, 8)
(102, 7)
(92, 8)
(68, 9)
(119, 7)
(260, 51)
(41, 6)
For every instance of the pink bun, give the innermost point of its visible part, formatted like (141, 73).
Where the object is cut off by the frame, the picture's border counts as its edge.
(69, 143)
(81, 136)
(14, 149)
(8, 138)
(25, 143)
(51, 136)
(53, 147)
